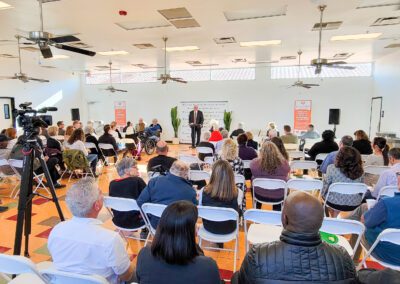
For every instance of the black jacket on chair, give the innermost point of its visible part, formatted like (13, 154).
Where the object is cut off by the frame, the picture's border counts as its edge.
(199, 118)
(296, 258)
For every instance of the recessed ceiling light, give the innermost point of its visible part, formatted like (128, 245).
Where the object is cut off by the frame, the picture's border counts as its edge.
(113, 52)
(183, 48)
(4, 6)
(356, 37)
(59, 56)
(260, 43)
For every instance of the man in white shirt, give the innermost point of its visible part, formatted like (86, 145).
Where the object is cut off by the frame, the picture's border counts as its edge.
(389, 177)
(81, 245)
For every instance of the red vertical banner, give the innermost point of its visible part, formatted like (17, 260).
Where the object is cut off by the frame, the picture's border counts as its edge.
(120, 113)
(302, 114)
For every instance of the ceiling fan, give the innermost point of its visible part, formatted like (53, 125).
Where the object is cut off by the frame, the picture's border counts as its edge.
(45, 39)
(111, 87)
(319, 62)
(22, 76)
(300, 83)
(164, 78)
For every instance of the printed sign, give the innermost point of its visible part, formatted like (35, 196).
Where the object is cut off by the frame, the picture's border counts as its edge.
(120, 113)
(302, 114)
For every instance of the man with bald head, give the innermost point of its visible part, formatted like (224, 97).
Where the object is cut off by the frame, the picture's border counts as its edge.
(162, 160)
(300, 255)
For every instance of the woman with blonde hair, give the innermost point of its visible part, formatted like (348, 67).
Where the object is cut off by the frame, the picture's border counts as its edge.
(230, 153)
(250, 141)
(221, 192)
(270, 164)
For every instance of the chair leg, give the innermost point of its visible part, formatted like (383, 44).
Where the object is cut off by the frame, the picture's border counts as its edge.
(235, 254)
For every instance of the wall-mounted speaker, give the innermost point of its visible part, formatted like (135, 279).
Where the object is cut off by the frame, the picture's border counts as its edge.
(334, 116)
(75, 114)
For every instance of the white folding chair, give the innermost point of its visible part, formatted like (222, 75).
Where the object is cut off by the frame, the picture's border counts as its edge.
(342, 227)
(364, 158)
(4, 163)
(55, 276)
(155, 210)
(346, 188)
(246, 164)
(303, 165)
(375, 170)
(266, 184)
(90, 145)
(107, 147)
(219, 214)
(321, 157)
(308, 185)
(291, 146)
(189, 159)
(151, 174)
(59, 138)
(296, 155)
(204, 150)
(209, 160)
(239, 179)
(258, 216)
(196, 175)
(388, 191)
(388, 235)
(23, 267)
(310, 142)
(124, 205)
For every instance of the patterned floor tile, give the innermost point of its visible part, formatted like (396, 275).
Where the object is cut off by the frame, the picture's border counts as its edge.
(51, 222)
(14, 217)
(4, 249)
(45, 234)
(43, 250)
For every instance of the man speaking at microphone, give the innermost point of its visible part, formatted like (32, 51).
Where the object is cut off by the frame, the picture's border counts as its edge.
(196, 120)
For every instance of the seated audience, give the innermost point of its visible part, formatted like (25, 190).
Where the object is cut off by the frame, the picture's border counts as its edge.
(76, 142)
(128, 124)
(300, 256)
(347, 168)
(54, 147)
(60, 126)
(76, 124)
(327, 145)
(129, 130)
(389, 176)
(114, 131)
(82, 245)
(289, 137)
(270, 164)
(330, 159)
(11, 134)
(250, 142)
(162, 159)
(129, 185)
(218, 145)
(68, 133)
(155, 127)
(204, 143)
(91, 138)
(215, 134)
(245, 152)
(278, 142)
(230, 153)
(379, 157)
(238, 131)
(174, 186)
(362, 143)
(310, 133)
(174, 256)
(140, 126)
(221, 192)
(107, 138)
(272, 131)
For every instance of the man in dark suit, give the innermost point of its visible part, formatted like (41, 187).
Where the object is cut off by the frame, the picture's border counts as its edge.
(196, 120)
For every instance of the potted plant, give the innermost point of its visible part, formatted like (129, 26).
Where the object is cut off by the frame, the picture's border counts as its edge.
(176, 122)
(227, 119)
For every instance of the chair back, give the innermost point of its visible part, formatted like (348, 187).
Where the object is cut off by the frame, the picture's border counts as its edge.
(310, 142)
(305, 184)
(16, 164)
(59, 137)
(321, 156)
(296, 154)
(239, 179)
(269, 185)
(291, 146)
(204, 150)
(121, 204)
(16, 264)
(3, 162)
(195, 175)
(263, 217)
(375, 170)
(348, 188)
(153, 209)
(218, 214)
(303, 165)
(151, 174)
(90, 145)
(246, 164)
(388, 191)
(105, 146)
(61, 277)
(189, 159)
(209, 160)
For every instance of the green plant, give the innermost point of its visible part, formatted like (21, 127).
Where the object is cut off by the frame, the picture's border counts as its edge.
(176, 122)
(227, 119)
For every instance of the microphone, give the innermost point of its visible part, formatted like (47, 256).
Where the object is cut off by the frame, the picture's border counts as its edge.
(46, 109)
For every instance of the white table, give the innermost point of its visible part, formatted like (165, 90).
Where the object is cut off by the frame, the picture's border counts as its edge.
(262, 233)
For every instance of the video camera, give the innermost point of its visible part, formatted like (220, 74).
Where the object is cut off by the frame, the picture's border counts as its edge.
(31, 123)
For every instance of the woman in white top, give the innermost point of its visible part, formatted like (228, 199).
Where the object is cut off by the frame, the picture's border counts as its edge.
(76, 142)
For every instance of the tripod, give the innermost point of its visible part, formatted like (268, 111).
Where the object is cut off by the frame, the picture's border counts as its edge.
(31, 150)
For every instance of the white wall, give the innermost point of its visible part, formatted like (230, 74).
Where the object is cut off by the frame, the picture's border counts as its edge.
(253, 102)
(387, 85)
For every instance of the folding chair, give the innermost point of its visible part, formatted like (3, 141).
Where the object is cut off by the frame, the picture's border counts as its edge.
(321, 157)
(155, 210)
(344, 227)
(296, 155)
(291, 146)
(59, 138)
(209, 160)
(269, 185)
(239, 179)
(246, 164)
(124, 205)
(346, 188)
(108, 147)
(195, 175)
(151, 174)
(61, 277)
(23, 267)
(388, 235)
(4, 163)
(189, 159)
(308, 185)
(375, 170)
(218, 214)
(303, 165)
(388, 191)
(204, 150)
(253, 234)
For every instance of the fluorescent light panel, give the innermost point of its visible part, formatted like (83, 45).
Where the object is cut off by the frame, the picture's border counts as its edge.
(183, 48)
(113, 52)
(4, 6)
(356, 37)
(260, 43)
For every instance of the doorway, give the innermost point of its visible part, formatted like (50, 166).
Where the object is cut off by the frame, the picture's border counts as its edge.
(375, 116)
(7, 119)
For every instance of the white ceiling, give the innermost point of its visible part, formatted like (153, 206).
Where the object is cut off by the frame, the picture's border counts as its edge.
(95, 21)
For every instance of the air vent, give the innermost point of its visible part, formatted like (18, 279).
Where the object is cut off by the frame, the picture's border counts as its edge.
(140, 25)
(327, 26)
(365, 4)
(342, 56)
(225, 40)
(176, 13)
(241, 15)
(185, 23)
(144, 45)
(9, 56)
(393, 45)
(239, 60)
(30, 48)
(144, 66)
(389, 21)
(264, 62)
(289, 57)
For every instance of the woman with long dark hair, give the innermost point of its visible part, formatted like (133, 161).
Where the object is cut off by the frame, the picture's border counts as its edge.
(278, 142)
(379, 157)
(174, 256)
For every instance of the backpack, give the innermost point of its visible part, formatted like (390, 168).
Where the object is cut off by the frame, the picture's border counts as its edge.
(75, 159)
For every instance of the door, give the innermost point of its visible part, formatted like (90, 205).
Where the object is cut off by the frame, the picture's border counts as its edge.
(6, 116)
(375, 116)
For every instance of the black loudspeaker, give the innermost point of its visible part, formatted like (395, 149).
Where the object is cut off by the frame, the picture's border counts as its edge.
(334, 116)
(47, 118)
(75, 114)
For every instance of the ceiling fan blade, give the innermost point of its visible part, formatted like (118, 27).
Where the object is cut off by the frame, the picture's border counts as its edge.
(164, 81)
(65, 38)
(341, 67)
(337, 63)
(75, 49)
(119, 90)
(38, 80)
(179, 80)
(7, 77)
(311, 85)
(305, 86)
(46, 51)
